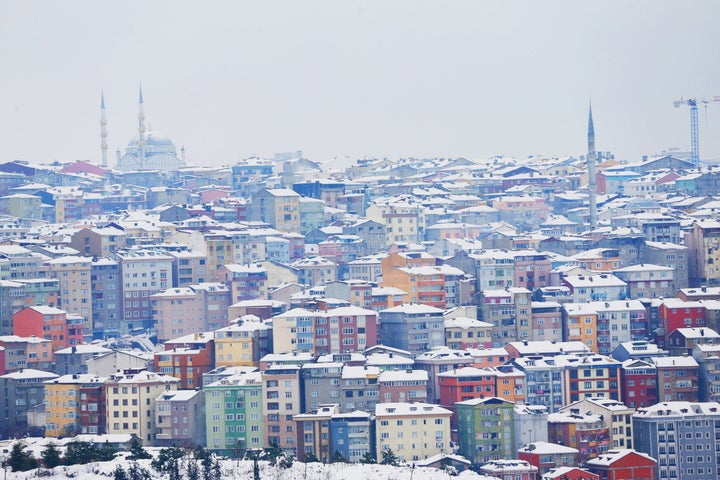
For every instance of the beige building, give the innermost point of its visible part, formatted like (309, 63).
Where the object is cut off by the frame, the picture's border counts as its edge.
(98, 242)
(281, 401)
(73, 274)
(130, 402)
(404, 221)
(413, 431)
(279, 207)
(191, 309)
(703, 242)
(613, 414)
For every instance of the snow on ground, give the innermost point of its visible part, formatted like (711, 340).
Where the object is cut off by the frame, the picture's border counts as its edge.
(243, 470)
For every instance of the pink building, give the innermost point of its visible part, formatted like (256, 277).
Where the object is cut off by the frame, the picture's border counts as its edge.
(403, 386)
(348, 329)
(532, 270)
(193, 309)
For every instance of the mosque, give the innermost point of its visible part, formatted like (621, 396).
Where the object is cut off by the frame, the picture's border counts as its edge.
(147, 151)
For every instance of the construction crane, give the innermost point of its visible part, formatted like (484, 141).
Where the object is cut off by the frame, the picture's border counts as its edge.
(694, 137)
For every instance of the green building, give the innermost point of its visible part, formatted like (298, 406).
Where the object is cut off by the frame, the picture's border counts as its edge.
(485, 429)
(233, 414)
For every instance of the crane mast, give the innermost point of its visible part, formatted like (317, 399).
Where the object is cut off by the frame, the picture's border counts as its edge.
(694, 134)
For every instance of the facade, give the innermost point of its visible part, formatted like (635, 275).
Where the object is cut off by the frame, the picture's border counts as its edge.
(130, 399)
(413, 327)
(677, 378)
(74, 276)
(243, 344)
(510, 313)
(65, 398)
(352, 435)
(233, 413)
(627, 464)
(278, 207)
(413, 431)
(485, 429)
(282, 400)
(144, 273)
(639, 381)
(548, 456)
(313, 431)
(23, 392)
(180, 418)
(464, 332)
(681, 437)
(106, 298)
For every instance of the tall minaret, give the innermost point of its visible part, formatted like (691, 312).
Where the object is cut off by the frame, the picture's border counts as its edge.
(103, 130)
(591, 157)
(141, 130)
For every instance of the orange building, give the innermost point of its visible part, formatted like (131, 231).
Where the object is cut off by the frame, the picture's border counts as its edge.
(599, 259)
(580, 324)
(424, 285)
(407, 259)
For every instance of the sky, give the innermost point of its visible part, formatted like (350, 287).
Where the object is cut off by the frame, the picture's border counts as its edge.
(342, 80)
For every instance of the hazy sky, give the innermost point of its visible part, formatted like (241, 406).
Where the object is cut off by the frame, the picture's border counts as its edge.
(232, 79)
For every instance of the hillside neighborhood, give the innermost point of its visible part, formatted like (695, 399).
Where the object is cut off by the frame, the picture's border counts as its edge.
(490, 315)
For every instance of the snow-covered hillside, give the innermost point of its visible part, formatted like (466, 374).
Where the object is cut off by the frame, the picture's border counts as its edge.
(243, 470)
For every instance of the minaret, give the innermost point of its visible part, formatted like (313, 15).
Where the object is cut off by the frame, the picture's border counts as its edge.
(103, 130)
(141, 130)
(591, 157)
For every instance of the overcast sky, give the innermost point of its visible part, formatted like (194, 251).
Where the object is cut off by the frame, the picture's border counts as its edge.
(348, 79)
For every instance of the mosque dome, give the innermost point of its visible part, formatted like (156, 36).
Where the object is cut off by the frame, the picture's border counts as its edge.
(153, 139)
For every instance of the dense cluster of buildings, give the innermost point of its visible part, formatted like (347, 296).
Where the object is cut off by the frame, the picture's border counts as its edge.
(493, 312)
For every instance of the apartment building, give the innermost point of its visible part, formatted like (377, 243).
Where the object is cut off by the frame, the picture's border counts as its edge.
(66, 405)
(180, 418)
(509, 311)
(282, 399)
(413, 431)
(485, 429)
(234, 413)
(681, 436)
(413, 327)
(130, 399)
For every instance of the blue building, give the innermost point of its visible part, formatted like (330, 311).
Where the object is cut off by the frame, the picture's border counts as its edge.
(352, 434)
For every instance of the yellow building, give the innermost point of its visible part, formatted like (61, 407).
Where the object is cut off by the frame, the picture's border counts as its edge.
(413, 431)
(130, 400)
(219, 252)
(242, 345)
(64, 401)
(581, 324)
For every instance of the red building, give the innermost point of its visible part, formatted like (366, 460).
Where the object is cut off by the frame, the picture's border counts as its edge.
(570, 473)
(92, 409)
(623, 465)
(675, 313)
(188, 359)
(43, 322)
(638, 379)
(465, 383)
